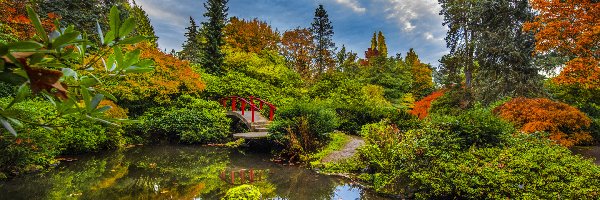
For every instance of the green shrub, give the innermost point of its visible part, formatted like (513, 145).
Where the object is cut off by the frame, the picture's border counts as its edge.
(432, 163)
(303, 127)
(189, 120)
(529, 167)
(355, 103)
(478, 126)
(454, 102)
(33, 149)
(35, 146)
(85, 136)
(243, 192)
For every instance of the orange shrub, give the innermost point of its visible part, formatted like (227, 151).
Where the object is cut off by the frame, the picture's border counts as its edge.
(566, 124)
(421, 108)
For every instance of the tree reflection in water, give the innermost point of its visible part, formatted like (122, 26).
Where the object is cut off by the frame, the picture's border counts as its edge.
(173, 172)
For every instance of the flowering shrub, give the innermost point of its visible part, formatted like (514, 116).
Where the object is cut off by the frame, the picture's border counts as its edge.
(421, 108)
(566, 125)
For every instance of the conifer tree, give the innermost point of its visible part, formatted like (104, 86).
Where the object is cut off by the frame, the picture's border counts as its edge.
(381, 46)
(322, 33)
(216, 13)
(191, 46)
(374, 42)
(144, 27)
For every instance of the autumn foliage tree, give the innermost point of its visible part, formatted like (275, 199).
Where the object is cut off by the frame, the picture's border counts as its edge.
(570, 28)
(422, 74)
(250, 35)
(296, 47)
(15, 23)
(171, 77)
(421, 107)
(566, 125)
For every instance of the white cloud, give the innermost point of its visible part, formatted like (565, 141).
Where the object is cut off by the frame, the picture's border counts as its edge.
(352, 4)
(428, 36)
(406, 12)
(157, 11)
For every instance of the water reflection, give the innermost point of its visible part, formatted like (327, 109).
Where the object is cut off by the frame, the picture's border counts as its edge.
(176, 172)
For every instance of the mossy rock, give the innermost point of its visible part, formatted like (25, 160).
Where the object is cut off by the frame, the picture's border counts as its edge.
(243, 192)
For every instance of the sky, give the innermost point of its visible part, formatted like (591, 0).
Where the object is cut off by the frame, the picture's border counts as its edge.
(405, 23)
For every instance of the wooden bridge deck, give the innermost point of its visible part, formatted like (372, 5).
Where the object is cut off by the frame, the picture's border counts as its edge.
(251, 135)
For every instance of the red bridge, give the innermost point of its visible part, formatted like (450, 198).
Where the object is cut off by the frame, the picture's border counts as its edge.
(254, 120)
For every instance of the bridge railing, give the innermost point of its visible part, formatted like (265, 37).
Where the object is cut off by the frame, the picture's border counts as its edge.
(244, 102)
(272, 107)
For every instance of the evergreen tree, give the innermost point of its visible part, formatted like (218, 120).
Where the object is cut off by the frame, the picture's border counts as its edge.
(341, 57)
(374, 42)
(322, 33)
(489, 35)
(461, 36)
(84, 14)
(216, 13)
(144, 27)
(381, 46)
(192, 45)
(504, 53)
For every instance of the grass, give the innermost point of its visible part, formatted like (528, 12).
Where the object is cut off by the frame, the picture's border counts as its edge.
(338, 141)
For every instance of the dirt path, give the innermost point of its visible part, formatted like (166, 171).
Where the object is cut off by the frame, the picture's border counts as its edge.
(348, 151)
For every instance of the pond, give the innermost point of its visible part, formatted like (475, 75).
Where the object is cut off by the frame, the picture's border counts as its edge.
(177, 172)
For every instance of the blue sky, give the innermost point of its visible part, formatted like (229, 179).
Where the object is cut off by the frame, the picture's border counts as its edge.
(405, 23)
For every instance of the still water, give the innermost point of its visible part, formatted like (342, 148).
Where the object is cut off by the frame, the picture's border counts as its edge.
(177, 172)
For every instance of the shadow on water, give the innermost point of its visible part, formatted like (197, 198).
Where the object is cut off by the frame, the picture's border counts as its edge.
(176, 172)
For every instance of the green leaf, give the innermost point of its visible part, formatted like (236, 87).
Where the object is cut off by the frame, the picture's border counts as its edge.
(95, 102)
(22, 92)
(107, 95)
(136, 69)
(86, 96)
(109, 37)
(126, 27)
(110, 64)
(100, 34)
(68, 72)
(133, 40)
(65, 39)
(89, 81)
(103, 109)
(35, 20)
(101, 120)
(114, 20)
(7, 126)
(118, 56)
(132, 57)
(146, 63)
(15, 122)
(24, 45)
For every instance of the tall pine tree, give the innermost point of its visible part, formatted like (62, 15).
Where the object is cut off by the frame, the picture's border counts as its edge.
(322, 33)
(216, 13)
(144, 27)
(192, 45)
(381, 46)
